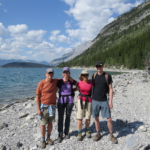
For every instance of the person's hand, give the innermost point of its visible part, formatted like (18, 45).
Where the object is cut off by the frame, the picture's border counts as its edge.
(110, 105)
(39, 112)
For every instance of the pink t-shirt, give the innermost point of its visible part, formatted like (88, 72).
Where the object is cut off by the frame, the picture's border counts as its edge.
(85, 89)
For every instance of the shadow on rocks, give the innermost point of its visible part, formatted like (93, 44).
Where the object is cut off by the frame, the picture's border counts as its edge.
(123, 127)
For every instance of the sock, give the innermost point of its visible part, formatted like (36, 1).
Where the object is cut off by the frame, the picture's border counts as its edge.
(98, 132)
(48, 136)
(43, 139)
(79, 131)
(111, 134)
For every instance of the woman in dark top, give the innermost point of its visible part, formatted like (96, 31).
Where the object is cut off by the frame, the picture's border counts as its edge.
(65, 101)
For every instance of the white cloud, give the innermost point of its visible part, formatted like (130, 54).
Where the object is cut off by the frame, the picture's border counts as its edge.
(22, 38)
(93, 15)
(23, 41)
(55, 32)
(11, 56)
(70, 2)
(76, 44)
(44, 46)
(138, 2)
(5, 10)
(111, 20)
(30, 52)
(67, 24)
(60, 38)
(68, 50)
(3, 30)
(0, 4)
(18, 29)
(63, 39)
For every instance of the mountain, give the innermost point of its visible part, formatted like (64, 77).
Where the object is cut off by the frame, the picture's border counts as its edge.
(6, 61)
(122, 43)
(75, 52)
(24, 65)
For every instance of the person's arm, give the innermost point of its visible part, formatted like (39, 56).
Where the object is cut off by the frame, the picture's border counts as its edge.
(110, 96)
(38, 104)
(71, 79)
(57, 89)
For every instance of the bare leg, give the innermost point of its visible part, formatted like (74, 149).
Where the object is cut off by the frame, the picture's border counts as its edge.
(43, 130)
(87, 123)
(110, 125)
(79, 124)
(97, 124)
(49, 127)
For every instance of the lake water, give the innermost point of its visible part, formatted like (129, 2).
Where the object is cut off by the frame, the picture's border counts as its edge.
(19, 83)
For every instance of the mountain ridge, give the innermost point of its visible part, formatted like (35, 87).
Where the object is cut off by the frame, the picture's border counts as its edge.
(24, 65)
(6, 61)
(75, 52)
(120, 42)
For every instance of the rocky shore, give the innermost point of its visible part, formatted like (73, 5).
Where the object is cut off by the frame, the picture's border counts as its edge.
(113, 69)
(20, 128)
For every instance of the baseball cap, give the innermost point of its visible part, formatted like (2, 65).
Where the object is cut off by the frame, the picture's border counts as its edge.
(84, 72)
(66, 69)
(99, 63)
(49, 70)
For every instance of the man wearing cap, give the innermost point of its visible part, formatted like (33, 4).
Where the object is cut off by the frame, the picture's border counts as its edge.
(102, 84)
(46, 104)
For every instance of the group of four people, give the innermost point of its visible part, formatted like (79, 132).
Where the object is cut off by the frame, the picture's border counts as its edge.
(101, 83)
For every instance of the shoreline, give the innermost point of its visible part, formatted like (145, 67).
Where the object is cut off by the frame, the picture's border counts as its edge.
(109, 69)
(131, 97)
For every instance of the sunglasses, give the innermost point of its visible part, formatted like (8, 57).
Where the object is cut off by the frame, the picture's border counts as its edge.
(98, 66)
(84, 75)
(67, 72)
(50, 73)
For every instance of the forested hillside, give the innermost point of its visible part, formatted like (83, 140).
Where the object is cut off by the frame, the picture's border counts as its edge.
(125, 41)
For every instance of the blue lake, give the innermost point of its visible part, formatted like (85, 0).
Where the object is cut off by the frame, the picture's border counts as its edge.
(19, 83)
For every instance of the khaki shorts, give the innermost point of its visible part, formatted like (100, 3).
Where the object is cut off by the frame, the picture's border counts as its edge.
(81, 113)
(45, 118)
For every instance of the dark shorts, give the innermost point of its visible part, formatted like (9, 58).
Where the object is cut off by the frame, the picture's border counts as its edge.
(100, 106)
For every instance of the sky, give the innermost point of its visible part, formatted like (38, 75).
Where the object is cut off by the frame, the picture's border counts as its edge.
(44, 30)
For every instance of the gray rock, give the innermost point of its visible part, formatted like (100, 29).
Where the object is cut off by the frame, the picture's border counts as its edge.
(142, 128)
(29, 117)
(2, 147)
(3, 125)
(133, 143)
(6, 106)
(30, 105)
(14, 148)
(19, 144)
(136, 142)
(4, 111)
(21, 115)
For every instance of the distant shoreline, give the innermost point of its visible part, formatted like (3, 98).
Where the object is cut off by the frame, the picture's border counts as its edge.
(108, 69)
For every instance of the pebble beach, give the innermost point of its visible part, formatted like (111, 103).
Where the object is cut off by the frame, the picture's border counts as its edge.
(20, 127)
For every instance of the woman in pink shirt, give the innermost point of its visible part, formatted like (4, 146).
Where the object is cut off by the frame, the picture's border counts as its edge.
(84, 103)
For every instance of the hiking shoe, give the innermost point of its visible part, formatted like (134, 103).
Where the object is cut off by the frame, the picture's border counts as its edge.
(97, 137)
(43, 144)
(67, 136)
(49, 141)
(88, 135)
(113, 139)
(60, 138)
(79, 137)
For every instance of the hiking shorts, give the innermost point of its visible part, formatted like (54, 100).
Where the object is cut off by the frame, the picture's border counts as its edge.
(81, 113)
(45, 118)
(98, 106)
